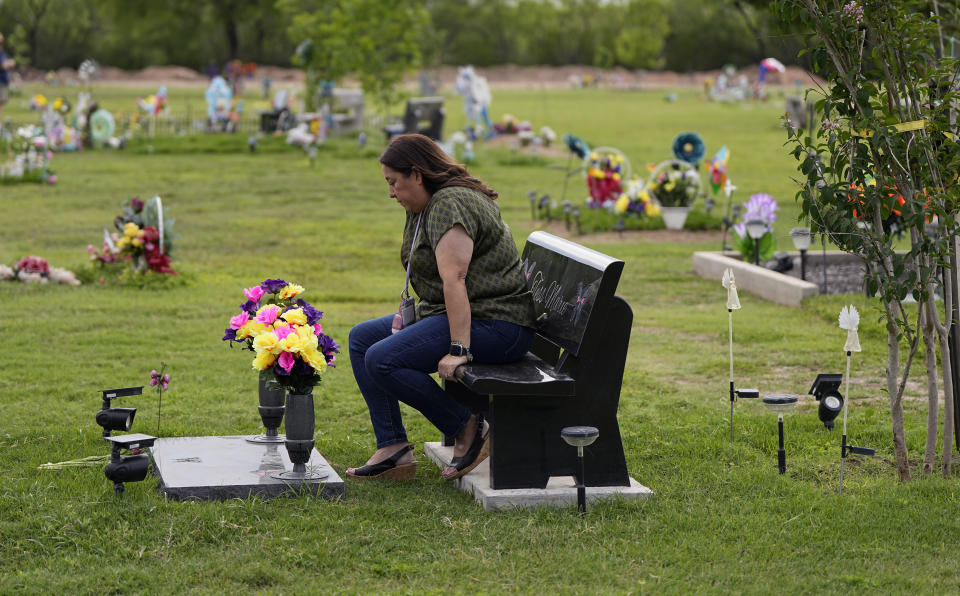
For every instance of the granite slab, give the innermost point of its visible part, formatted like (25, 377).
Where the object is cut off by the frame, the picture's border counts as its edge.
(560, 491)
(230, 467)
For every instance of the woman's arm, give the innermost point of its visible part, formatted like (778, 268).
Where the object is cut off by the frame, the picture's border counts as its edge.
(453, 254)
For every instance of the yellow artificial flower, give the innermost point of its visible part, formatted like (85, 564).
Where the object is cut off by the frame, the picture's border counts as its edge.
(621, 207)
(263, 360)
(314, 358)
(669, 186)
(644, 196)
(594, 157)
(251, 328)
(293, 343)
(290, 291)
(653, 209)
(130, 229)
(123, 242)
(308, 336)
(616, 176)
(137, 241)
(295, 316)
(618, 158)
(267, 342)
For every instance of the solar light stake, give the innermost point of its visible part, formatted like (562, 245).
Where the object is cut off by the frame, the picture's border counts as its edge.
(780, 403)
(849, 319)
(781, 452)
(580, 437)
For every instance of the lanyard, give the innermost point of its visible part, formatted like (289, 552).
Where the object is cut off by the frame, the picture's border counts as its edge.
(413, 244)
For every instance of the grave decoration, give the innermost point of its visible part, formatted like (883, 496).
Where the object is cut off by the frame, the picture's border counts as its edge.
(675, 185)
(291, 351)
(160, 380)
(59, 135)
(476, 102)
(733, 303)
(849, 320)
(689, 147)
(223, 112)
(760, 208)
(28, 158)
(34, 269)
(144, 239)
(605, 178)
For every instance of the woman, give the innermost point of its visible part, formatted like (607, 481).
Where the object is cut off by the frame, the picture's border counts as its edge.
(474, 304)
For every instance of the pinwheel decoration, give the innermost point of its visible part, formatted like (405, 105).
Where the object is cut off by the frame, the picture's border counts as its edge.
(718, 170)
(689, 147)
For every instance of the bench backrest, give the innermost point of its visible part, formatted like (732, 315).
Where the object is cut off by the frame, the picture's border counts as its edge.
(570, 284)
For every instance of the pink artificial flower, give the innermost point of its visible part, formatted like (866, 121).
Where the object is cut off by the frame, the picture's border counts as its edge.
(91, 249)
(52, 179)
(282, 332)
(239, 320)
(286, 360)
(154, 378)
(268, 315)
(317, 328)
(254, 293)
(165, 382)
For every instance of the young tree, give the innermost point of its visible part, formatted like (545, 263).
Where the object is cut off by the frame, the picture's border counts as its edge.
(885, 160)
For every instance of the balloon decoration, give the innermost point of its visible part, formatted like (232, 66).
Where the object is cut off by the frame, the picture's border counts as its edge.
(102, 126)
(718, 169)
(689, 147)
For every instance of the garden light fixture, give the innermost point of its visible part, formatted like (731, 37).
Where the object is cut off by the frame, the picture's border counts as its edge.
(825, 389)
(116, 418)
(130, 468)
(756, 228)
(801, 241)
(733, 303)
(580, 437)
(780, 403)
(849, 319)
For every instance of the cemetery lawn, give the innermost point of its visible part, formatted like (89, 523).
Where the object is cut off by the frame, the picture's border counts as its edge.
(722, 518)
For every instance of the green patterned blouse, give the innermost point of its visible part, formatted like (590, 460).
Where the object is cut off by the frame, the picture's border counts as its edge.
(495, 284)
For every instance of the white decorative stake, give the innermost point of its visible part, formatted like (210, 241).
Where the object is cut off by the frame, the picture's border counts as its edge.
(733, 303)
(160, 223)
(850, 320)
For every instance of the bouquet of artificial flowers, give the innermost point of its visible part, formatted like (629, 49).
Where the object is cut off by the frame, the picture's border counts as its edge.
(144, 237)
(604, 179)
(34, 269)
(285, 332)
(675, 187)
(763, 207)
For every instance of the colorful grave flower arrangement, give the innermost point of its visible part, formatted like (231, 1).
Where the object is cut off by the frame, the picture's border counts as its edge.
(763, 207)
(30, 157)
(636, 201)
(675, 187)
(604, 179)
(34, 269)
(285, 333)
(144, 238)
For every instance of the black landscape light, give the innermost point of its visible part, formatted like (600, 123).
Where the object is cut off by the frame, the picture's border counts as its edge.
(801, 241)
(129, 468)
(756, 228)
(780, 403)
(580, 437)
(532, 195)
(826, 390)
(116, 418)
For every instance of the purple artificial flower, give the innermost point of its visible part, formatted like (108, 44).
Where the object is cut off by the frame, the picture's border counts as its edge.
(229, 334)
(301, 368)
(154, 378)
(249, 307)
(327, 345)
(136, 204)
(313, 315)
(272, 286)
(760, 206)
(165, 382)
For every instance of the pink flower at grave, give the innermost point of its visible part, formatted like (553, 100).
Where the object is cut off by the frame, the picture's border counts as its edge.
(268, 314)
(317, 328)
(282, 332)
(286, 361)
(254, 293)
(239, 320)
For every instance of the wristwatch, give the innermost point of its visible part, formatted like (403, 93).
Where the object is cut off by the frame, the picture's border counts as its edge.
(458, 349)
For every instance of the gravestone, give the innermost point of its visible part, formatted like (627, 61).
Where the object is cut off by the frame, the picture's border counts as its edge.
(217, 468)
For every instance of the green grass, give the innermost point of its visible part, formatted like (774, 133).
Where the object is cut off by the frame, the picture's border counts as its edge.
(722, 519)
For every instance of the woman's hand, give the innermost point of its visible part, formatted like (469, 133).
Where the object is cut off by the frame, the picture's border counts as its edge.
(447, 367)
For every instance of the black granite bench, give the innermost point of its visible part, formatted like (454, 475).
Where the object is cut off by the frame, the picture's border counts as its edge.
(570, 377)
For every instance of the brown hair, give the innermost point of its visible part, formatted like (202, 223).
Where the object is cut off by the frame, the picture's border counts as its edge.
(418, 153)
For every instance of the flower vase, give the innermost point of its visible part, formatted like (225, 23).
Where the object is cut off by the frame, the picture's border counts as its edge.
(271, 413)
(299, 442)
(674, 217)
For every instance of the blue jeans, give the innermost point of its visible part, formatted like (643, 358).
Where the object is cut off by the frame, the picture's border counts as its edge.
(393, 368)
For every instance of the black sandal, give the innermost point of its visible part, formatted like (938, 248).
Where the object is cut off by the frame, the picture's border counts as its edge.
(478, 451)
(388, 468)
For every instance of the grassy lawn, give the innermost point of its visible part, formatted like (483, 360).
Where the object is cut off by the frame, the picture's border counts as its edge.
(722, 519)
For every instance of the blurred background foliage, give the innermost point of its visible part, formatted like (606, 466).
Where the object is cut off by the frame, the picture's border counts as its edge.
(679, 35)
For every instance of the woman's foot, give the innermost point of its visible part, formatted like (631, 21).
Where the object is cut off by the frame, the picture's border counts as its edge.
(393, 461)
(470, 448)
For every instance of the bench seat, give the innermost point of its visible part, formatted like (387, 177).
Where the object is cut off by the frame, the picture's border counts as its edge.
(528, 377)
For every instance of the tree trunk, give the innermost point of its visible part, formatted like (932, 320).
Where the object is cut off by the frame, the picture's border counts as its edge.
(945, 357)
(896, 403)
(933, 395)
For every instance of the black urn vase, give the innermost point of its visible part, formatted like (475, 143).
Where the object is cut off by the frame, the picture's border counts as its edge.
(299, 440)
(271, 413)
